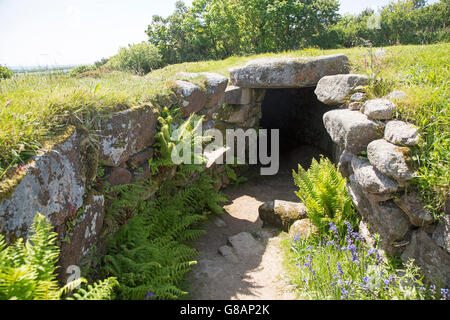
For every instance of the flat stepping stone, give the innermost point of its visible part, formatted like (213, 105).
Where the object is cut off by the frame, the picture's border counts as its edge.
(228, 254)
(245, 245)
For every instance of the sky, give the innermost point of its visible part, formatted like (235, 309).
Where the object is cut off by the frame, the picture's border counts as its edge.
(72, 32)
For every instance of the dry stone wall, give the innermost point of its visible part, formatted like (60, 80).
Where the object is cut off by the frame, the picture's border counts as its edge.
(371, 150)
(374, 155)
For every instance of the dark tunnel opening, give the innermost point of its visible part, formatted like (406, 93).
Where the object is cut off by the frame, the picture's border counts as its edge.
(298, 115)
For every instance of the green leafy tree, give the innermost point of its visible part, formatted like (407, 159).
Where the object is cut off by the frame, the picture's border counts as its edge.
(140, 58)
(214, 29)
(5, 73)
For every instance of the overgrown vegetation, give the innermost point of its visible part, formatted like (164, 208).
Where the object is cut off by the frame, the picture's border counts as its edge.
(341, 266)
(28, 269)
(337, 263)
(149, 254)
(36, 108)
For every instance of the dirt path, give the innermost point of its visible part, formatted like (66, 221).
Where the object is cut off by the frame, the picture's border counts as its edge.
(239, 259)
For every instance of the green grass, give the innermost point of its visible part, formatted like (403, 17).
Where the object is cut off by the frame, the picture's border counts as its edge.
(33, 109)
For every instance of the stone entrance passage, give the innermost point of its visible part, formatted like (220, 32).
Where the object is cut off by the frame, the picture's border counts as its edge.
(299, 116)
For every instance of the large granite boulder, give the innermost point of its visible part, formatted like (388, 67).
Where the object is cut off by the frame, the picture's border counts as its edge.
(433, 260)
(379, 109)
(391, 160)
(193, 98)
(370, 179)
(126, 133)
(335, 90)
(401, 133)
(281, 214)
(351, 130)
(53, 186)
(384, 218)
(414, 209)
(288, 72)
(215, 85)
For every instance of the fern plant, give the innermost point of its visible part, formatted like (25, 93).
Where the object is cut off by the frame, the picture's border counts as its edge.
(148, 253)
(174, 133)
(322, 189)
(28, 269)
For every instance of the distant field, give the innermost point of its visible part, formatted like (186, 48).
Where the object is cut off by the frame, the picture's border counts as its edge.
(36, 107)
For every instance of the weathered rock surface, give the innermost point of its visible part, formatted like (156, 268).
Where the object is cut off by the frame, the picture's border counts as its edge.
(390, 159)
(192, 96)
(53, 185)
(119, 176)
(140, 158)
(215, 85)
(397, 95)
(245, 245)
(239, 115)
(442, 233)
(354, 105)
(370, 179)
(379, 109)
(384, 218)
(281, 214)
(302, 228)
(288, 72)
(85, 234)
(237, 95)
(126, 133)
(414, 209)
(228, 254)
(401, 133)
(358, 97)
(431, 258)
(336, 89)
(351, 130)
(390, 222)
(344, 163)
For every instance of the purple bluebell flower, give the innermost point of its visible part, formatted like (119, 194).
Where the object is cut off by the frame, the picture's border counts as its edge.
(433, 289)
(344, 294)
(444, 294)
(297, 237)
(149, 294)
(341, 272)
(333, 229)
(387, 281)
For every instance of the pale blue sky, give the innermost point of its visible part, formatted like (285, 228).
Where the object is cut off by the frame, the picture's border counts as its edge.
(59, 32)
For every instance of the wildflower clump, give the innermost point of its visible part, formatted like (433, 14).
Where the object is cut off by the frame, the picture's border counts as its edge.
(343, 267)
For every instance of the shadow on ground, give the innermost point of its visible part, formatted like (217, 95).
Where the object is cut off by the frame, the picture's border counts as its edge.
(258, 272)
